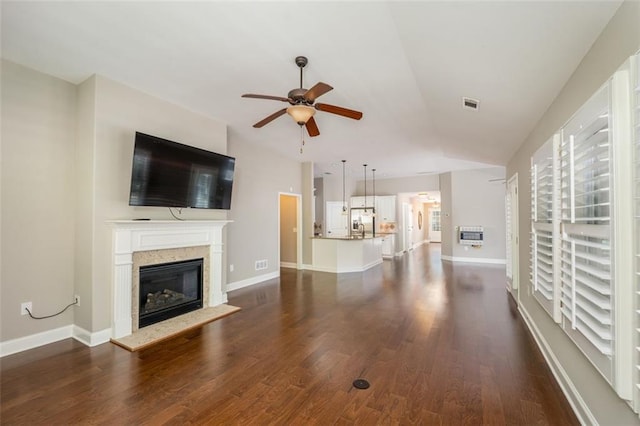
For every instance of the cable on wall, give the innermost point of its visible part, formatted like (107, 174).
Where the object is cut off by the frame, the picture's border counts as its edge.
(75, 302)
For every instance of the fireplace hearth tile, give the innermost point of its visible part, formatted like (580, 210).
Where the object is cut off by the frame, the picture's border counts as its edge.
(164, 330)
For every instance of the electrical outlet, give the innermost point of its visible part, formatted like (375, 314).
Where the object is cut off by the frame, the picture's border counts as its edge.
(76, 300)
(231, 268)
(23, 308)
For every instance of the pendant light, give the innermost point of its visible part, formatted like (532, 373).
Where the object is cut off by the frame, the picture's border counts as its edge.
(373, 171)
(365, 188)
(344, 205)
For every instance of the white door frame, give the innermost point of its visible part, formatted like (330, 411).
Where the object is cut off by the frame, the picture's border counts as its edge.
(407, 227)
(298, 227)
(512, 189)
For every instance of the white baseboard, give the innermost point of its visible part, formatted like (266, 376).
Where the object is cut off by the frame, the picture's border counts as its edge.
(251, 281)
(51, 336)
(344, 270)
(580, 408)
(474, 260)
(33, 341)
(91, 339)
(291, 265)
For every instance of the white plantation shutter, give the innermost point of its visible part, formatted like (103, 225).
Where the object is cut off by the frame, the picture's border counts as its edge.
(595, 251)
(544, 235)
(636, 138)
(585, 271)
(508, 236)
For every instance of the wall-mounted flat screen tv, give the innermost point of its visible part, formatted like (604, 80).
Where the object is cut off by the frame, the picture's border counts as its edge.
(170, 174)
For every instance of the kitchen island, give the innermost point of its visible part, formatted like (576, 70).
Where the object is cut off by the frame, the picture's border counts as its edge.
(338, 255)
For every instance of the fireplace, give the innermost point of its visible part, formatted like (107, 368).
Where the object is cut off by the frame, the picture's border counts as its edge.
(139, 243)
(169, 289)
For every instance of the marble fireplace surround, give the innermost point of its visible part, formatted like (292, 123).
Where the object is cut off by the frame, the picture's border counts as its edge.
(159, 239)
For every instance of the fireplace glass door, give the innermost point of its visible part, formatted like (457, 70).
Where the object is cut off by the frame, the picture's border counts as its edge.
(169, 289)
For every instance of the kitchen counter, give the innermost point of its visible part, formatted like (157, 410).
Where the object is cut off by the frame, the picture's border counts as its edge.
(345, 254)
(368, 237)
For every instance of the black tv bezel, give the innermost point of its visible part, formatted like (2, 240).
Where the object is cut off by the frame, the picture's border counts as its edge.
(202, 153)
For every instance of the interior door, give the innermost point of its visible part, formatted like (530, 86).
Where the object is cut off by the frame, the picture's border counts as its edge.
(511, 217)
(336, 219)
(407, 218)
(435, 231)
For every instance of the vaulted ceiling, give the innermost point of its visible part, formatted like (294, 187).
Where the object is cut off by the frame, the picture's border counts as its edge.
(405, 65)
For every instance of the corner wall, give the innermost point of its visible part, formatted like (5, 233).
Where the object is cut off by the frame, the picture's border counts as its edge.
(38, 198)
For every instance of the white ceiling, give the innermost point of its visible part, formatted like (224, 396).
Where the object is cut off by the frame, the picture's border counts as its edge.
(405, 65)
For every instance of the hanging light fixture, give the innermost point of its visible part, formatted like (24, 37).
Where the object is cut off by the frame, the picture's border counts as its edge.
(344, 205)
(373, 171)
(365, 188)
(301, 113)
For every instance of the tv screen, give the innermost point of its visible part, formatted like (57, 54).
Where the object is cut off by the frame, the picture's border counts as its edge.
(170, 174)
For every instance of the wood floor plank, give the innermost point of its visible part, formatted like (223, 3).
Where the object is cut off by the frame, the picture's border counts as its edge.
(440, 343)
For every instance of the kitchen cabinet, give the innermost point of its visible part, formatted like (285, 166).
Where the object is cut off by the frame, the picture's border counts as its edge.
(359, 201)
(386, 208)
(388, 245)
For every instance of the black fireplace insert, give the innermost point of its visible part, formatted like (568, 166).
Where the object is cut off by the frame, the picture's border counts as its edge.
(168, 290)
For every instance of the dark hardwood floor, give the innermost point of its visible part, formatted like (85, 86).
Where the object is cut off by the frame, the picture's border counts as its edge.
(439, 344)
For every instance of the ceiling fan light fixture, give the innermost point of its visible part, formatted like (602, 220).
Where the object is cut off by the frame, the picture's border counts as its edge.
(301, 113)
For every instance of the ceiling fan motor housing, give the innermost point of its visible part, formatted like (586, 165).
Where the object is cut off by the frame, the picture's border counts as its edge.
(296, 97)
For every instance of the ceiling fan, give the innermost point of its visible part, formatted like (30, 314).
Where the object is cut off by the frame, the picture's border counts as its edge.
(302, 104)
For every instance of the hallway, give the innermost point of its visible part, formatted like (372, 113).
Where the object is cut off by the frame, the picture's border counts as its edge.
(439, 343)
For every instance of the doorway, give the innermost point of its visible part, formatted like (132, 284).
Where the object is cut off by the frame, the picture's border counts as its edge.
(435, 230)
(511, 219)
(407, 219)
(289, 239)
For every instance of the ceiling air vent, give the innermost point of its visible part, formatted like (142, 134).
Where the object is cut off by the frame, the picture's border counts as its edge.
(469, 103)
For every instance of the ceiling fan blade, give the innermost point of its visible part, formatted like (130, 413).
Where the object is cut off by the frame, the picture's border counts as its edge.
(272, 98)
(316, 91)
(270, 118)
(312, 127)
(349, 113)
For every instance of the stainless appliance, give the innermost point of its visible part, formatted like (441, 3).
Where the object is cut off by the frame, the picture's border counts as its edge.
(363, 222)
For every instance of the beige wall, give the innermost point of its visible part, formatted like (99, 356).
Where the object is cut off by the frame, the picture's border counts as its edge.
(445, 215)
(619, 40)
(78, 141)
(393, 186)
(478, 200)
(260, 176)
(120, 111)
(473, 198)
(38, 197)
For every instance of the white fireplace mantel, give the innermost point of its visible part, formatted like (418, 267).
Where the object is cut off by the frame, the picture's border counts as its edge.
(131, 236)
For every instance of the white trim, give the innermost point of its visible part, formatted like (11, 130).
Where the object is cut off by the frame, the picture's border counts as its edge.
(289, 265)
(474, 260)
(51, 336)
(251, 281)
(91, 339)
(129, 236)
(344, 270)
(580, 408)
(35, 340)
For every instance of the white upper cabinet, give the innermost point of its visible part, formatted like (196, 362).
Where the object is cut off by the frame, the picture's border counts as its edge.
(385, 208)
(359, 201)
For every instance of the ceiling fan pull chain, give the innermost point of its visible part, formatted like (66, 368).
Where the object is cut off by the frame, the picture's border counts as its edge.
(302, 137)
